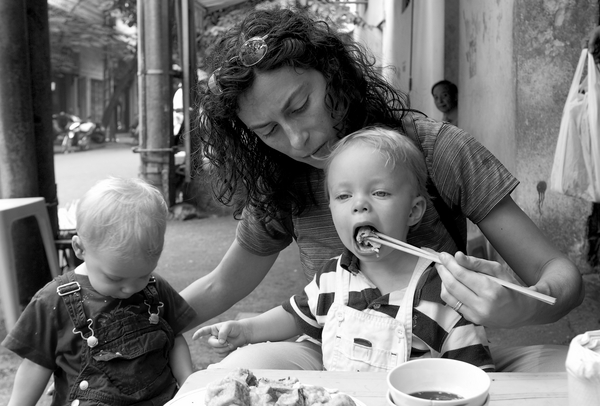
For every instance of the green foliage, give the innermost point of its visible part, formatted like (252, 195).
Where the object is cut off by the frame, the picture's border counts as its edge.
(86, 27)
(126, 8)
(339, 13)
(219, 22)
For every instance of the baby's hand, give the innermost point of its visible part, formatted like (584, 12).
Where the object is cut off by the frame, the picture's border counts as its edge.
(223, 337)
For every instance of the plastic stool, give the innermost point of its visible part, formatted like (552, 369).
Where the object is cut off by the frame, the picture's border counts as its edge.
(10, 211)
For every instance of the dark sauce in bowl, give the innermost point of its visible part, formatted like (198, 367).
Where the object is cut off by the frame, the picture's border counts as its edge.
(435, 395)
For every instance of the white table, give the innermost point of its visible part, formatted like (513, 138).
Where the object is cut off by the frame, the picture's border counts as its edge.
(507, 389)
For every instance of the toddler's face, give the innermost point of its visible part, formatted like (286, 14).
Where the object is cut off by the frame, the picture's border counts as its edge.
(363, 191)
(116, 276)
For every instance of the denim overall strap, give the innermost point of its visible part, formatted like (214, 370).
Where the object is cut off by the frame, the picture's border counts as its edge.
(152, 301)
(70, 291)
(150, 291)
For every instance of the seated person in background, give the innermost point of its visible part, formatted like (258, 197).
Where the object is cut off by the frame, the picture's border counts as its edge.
(445, 96)
(109, 331)
(373, 307)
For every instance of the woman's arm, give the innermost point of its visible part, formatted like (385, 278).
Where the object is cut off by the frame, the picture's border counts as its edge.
(238, 274)
(180, 360)
(531, 256)
(30, 382)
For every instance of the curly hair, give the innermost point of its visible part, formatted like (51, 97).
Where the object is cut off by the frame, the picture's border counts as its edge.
(246, 172)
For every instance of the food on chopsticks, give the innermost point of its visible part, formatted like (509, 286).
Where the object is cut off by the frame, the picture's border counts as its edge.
(368, 237)
(363, 240)
(382, 239)
(243, 388)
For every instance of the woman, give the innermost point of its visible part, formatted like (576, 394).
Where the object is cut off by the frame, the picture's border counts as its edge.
(285, 89)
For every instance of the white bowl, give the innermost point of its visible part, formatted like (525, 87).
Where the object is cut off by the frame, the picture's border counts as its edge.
(390, 402)
(438, 375)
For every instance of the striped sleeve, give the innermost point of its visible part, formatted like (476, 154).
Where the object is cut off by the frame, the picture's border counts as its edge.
(443, 332)
(310, 308)
(469, 179)
(468, 342)
(467, 175)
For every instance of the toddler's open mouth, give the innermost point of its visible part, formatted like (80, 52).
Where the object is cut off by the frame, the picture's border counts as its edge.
(362, 241)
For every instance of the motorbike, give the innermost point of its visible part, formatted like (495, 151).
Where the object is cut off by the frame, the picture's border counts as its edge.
(81, 135)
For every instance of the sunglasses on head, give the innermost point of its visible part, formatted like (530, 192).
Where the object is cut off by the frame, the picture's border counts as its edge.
(251, 52)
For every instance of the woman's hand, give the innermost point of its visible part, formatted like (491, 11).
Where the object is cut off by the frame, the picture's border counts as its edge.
(224, 337)
(484, 301)
(531, 257)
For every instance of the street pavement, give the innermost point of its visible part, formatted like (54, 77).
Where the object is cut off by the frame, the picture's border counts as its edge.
(76, 172)
(194, 247)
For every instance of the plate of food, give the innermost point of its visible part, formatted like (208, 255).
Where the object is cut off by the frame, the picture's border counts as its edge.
(243, 388)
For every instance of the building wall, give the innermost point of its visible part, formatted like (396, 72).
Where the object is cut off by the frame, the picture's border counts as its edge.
(486, 97)
(91, 63)
(91, 70)
(451, 54)
(513, 62)
(516, 63)
(73, 92)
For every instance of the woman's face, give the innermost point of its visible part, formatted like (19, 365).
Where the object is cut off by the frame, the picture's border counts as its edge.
(286, 109)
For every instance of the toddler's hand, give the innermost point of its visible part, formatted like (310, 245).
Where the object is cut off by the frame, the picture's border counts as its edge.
(223, 337)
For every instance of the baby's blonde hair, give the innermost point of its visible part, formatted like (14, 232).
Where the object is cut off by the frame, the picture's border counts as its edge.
(127, 216)
(395, 147)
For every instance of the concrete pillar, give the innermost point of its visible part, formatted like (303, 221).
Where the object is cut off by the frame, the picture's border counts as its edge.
(156, 117)
(18, 166)
(41, 98)
(18, 150)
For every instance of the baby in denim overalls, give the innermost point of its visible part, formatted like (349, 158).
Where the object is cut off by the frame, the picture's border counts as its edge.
(110, 331)
(372, 308)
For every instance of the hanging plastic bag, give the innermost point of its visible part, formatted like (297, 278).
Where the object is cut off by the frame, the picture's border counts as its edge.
(576, 168)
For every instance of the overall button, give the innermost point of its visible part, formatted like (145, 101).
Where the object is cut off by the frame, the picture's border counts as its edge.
(376, 306)
(75, 402)
(83, 385)
(400, 332)
(339, 316)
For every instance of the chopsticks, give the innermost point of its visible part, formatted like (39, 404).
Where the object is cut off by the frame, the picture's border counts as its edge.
(410, 249)
(401, 246)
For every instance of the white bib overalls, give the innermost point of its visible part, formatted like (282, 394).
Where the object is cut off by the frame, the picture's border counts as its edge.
(355, 340)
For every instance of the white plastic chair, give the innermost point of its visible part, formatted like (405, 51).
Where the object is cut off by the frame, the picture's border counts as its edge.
(12, 210)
